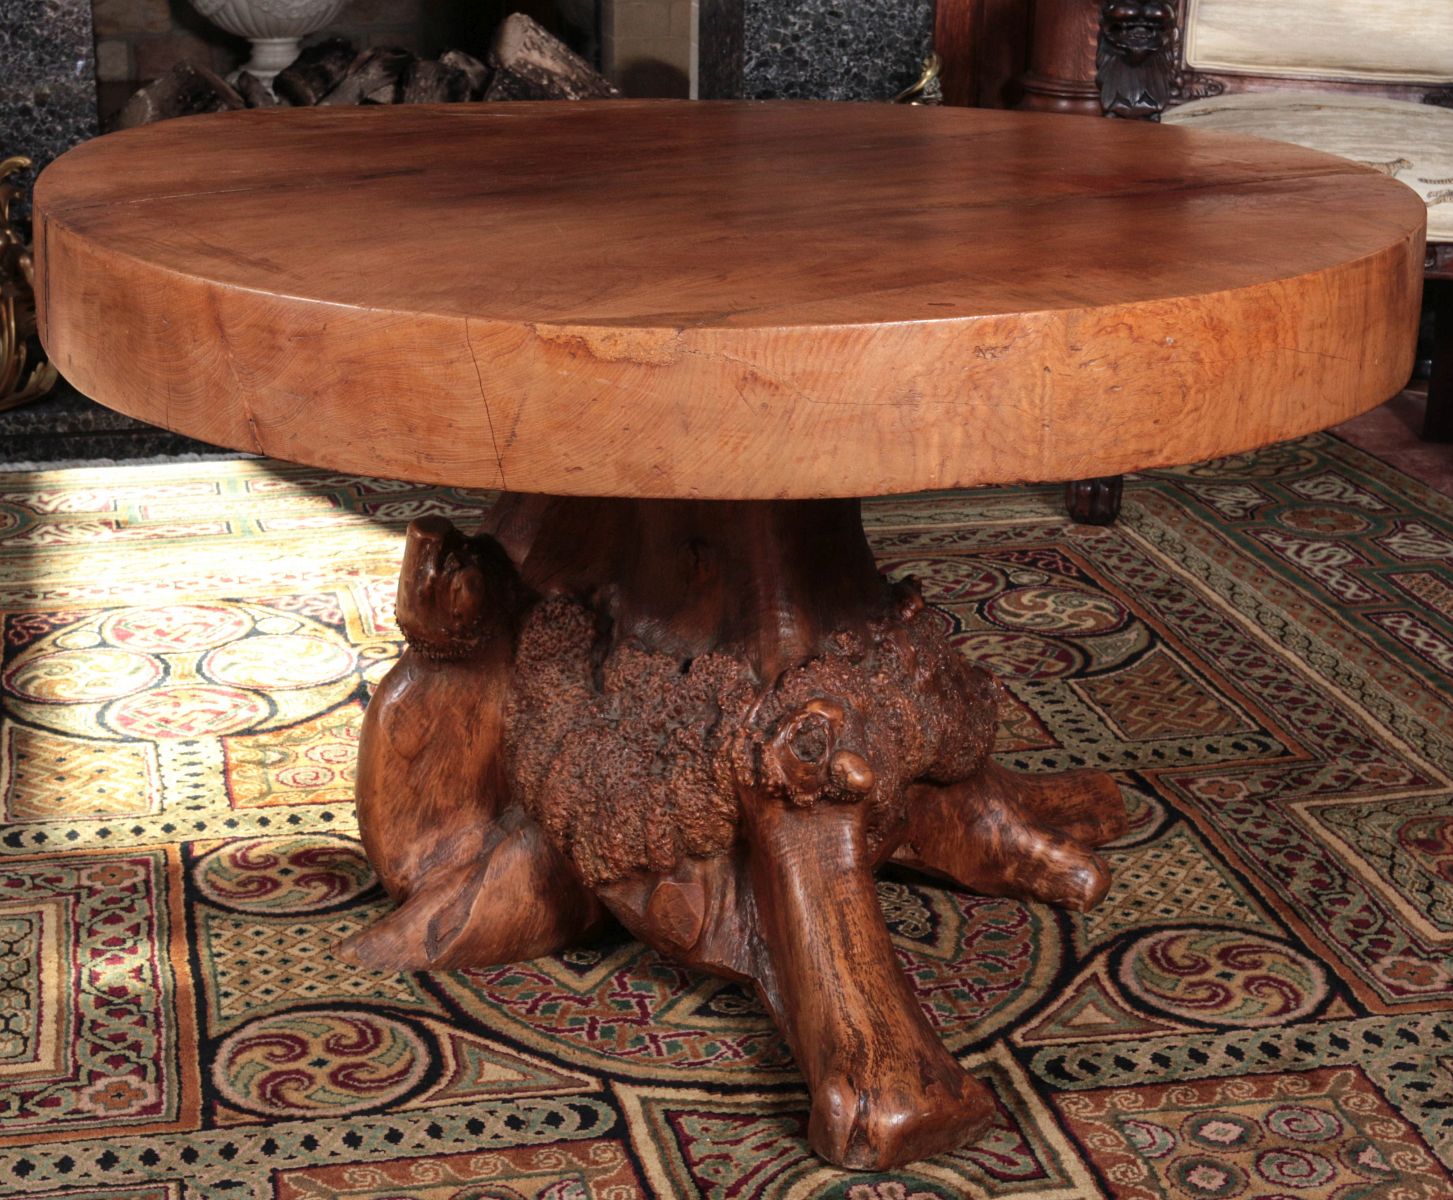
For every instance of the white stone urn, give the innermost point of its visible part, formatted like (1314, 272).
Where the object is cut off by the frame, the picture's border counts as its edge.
(274, 27)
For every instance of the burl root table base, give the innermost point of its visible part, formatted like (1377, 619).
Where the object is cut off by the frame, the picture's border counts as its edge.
(711, 720)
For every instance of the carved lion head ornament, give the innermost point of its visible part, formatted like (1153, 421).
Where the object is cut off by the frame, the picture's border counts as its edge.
(1134, 63)
(1136, 29)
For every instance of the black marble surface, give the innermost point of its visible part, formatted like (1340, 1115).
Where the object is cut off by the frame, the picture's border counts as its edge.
(47, 77)
(65, 427)
(833, 49)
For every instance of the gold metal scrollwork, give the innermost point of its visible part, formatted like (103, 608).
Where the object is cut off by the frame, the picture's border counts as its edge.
(926, 89)
(22, 378)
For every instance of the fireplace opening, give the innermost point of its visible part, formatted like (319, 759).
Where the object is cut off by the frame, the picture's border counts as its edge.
(645, 47)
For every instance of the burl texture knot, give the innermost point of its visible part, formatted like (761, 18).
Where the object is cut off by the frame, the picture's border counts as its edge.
(633, 760)
(622, 755)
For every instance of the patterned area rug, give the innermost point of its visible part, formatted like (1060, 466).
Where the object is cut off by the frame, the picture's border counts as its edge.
(1261, 651)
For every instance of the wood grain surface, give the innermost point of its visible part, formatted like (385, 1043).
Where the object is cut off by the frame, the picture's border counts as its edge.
(723, 300)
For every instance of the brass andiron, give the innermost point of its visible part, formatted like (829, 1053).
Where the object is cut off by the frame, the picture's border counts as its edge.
(24, 373)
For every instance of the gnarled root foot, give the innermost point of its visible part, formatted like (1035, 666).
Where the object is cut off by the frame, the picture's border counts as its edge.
(796, 915)
(794, 911)
(884, 1089)
(477, 880)
(516, 900)
(1025, 836)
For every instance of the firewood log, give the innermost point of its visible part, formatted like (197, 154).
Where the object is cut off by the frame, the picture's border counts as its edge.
(531, 64)
(525, 62)
(252, 89)
(315, 72)
(430, 82)
(477, 72)
(373, 78)
(185, 89)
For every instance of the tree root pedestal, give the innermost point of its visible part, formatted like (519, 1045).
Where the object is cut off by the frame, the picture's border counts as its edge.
(710, 720)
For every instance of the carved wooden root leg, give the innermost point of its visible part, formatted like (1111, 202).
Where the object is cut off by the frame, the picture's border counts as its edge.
(884, 1090)
(517, 900)
(713, 719)
(1001, 833)
(477, 880)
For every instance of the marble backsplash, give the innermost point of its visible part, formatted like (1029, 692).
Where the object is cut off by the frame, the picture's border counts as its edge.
(833, 49)
(47, 77)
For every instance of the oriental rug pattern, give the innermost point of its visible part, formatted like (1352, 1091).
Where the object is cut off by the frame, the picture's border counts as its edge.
(1261, 651)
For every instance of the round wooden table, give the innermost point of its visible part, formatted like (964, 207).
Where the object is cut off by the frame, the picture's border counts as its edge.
(666, 683)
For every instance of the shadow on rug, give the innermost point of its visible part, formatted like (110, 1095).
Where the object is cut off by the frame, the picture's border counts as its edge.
(1261, 651)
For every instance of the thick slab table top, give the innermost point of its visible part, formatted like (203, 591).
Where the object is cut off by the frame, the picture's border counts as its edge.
(665, 684)
(723, 300)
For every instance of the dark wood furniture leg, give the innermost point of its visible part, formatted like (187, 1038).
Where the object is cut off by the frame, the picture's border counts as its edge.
(1094, 501)
(712, 720)
(1438, 418)
(1103, 59)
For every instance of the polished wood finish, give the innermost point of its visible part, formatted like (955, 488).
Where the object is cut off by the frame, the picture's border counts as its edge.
(982, 47)
(1061, 70)
(723, 300)
(712, 720)
(665, 684)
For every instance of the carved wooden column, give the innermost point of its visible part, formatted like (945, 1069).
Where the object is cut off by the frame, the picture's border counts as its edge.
(983, 46)
(1061, 74)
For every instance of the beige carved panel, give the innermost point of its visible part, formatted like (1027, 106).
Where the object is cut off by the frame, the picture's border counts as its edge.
(1411, 142)
(1407, 41)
